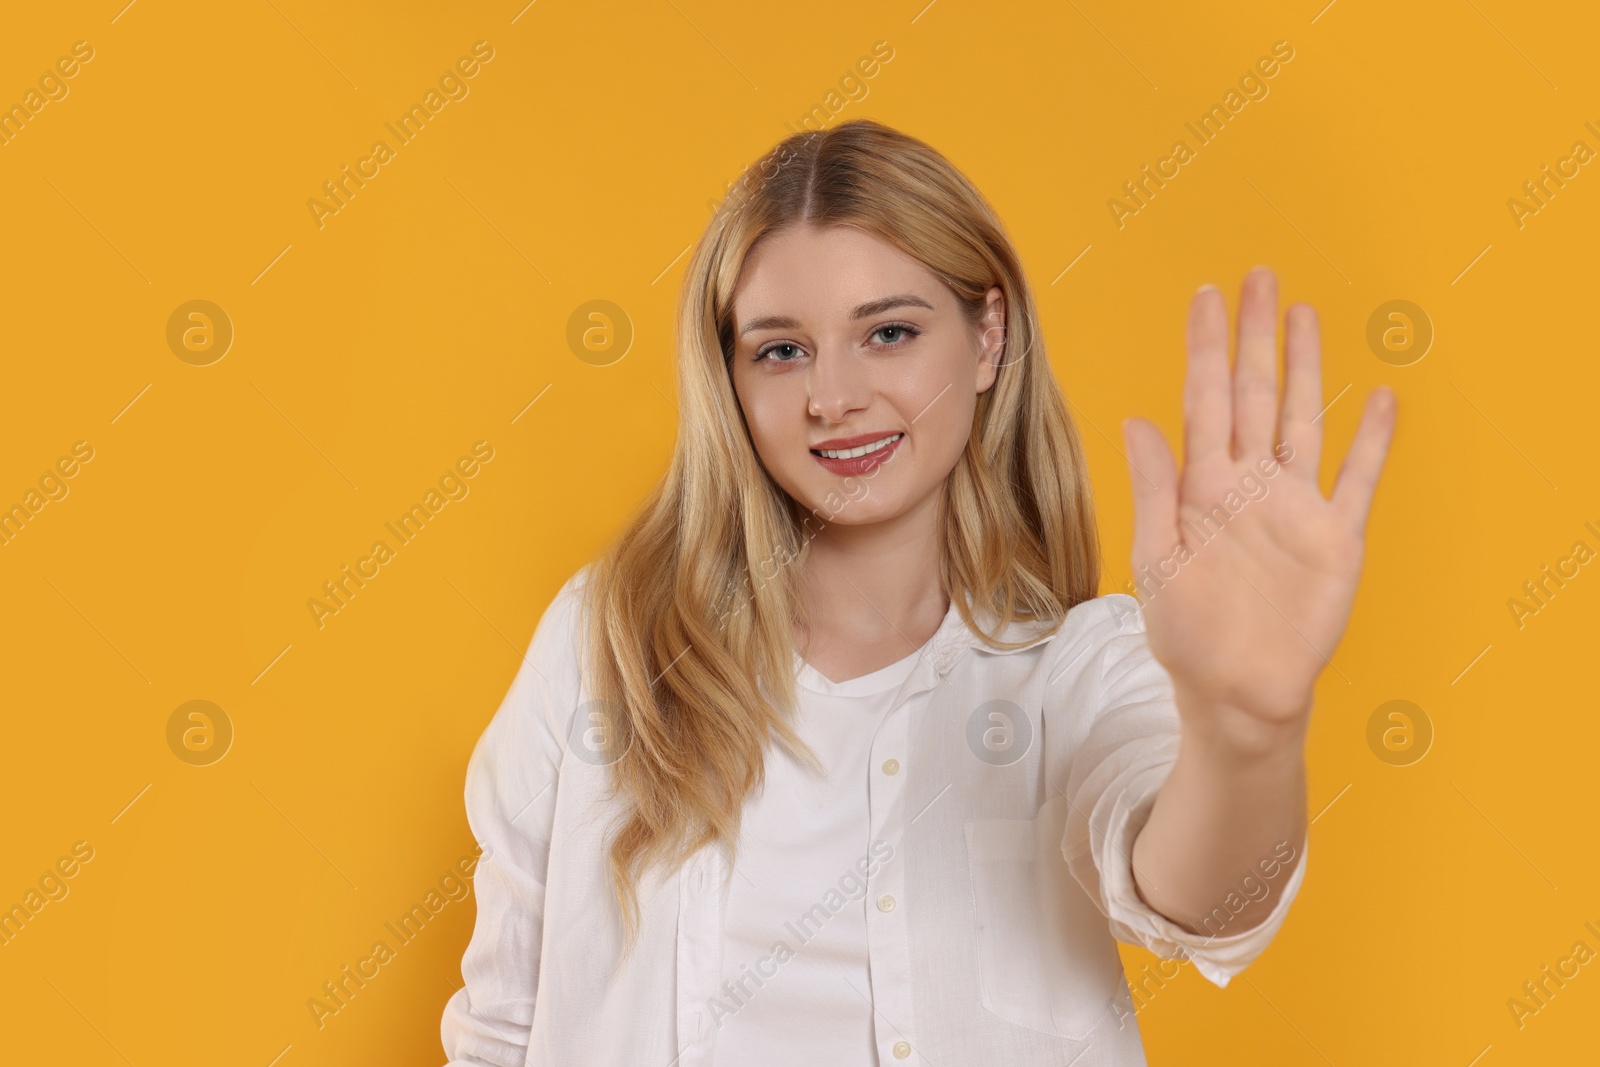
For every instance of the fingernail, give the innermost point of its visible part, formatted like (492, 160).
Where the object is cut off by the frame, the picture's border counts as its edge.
(1203, 288)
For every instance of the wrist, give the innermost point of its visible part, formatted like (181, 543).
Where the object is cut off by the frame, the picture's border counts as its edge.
(1226, 735)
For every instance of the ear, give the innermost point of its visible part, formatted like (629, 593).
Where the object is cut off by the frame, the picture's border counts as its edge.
(991, 338)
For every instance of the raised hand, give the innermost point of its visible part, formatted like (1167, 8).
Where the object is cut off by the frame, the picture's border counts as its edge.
(1246, 571)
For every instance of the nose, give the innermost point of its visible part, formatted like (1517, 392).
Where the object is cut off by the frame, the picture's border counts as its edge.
(837, 383)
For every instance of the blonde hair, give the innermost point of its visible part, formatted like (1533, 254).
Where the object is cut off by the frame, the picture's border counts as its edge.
(691, 609)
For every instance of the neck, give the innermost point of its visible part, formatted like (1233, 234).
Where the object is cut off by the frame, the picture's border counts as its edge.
(875, 583)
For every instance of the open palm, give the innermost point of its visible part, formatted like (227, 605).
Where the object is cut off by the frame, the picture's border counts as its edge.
(1246, 571)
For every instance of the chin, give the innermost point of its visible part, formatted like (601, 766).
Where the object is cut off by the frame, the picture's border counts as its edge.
(843, 511)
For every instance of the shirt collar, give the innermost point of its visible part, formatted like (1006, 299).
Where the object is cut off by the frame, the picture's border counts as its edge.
(954, 639)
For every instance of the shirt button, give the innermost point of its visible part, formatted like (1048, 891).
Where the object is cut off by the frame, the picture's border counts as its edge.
(891, 766)
(886, 903)
(901, 1050)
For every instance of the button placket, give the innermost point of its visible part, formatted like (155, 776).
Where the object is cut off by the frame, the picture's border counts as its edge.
(887, 942)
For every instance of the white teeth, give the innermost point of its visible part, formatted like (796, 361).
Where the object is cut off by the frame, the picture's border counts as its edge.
(852, 453)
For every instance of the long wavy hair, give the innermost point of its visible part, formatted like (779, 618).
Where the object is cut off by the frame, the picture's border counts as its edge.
(691, 610)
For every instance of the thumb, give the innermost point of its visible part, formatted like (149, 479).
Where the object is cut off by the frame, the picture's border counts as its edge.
(1154, 474)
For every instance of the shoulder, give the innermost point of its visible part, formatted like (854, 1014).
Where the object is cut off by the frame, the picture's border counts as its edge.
(1098, 621)
(1097, 636)
(554, 649)
(533, 714)
(571, 592)
(560, 625)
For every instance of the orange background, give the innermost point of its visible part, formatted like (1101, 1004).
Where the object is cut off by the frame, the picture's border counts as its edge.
(431, 311)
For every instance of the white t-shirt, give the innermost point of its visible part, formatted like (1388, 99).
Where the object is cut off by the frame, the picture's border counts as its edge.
(796, 883)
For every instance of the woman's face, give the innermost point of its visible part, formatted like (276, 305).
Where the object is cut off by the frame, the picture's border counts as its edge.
(842, 340)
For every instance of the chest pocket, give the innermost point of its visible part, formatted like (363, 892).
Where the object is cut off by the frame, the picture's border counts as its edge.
(1046, 958)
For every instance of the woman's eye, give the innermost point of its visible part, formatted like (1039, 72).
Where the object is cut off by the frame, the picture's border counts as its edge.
(779, 347)
(900, 333)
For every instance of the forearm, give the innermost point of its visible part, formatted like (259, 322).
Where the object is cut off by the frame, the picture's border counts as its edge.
(1229, 811)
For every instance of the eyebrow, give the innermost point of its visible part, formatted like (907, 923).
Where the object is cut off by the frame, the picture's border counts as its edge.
(862, 311)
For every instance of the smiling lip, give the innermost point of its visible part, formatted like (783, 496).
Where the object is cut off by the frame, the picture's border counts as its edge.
(859, 464)
(835, 443)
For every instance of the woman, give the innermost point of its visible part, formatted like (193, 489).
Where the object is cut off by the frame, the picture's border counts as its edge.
(875, 547)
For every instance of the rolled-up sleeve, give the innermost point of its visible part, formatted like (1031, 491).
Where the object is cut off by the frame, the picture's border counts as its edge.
(510, 803)
(1128, 751)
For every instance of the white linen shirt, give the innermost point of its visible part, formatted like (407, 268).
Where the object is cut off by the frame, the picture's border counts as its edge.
(999, 870)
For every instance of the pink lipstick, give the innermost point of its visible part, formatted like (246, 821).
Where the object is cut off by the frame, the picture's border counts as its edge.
(859, 454)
